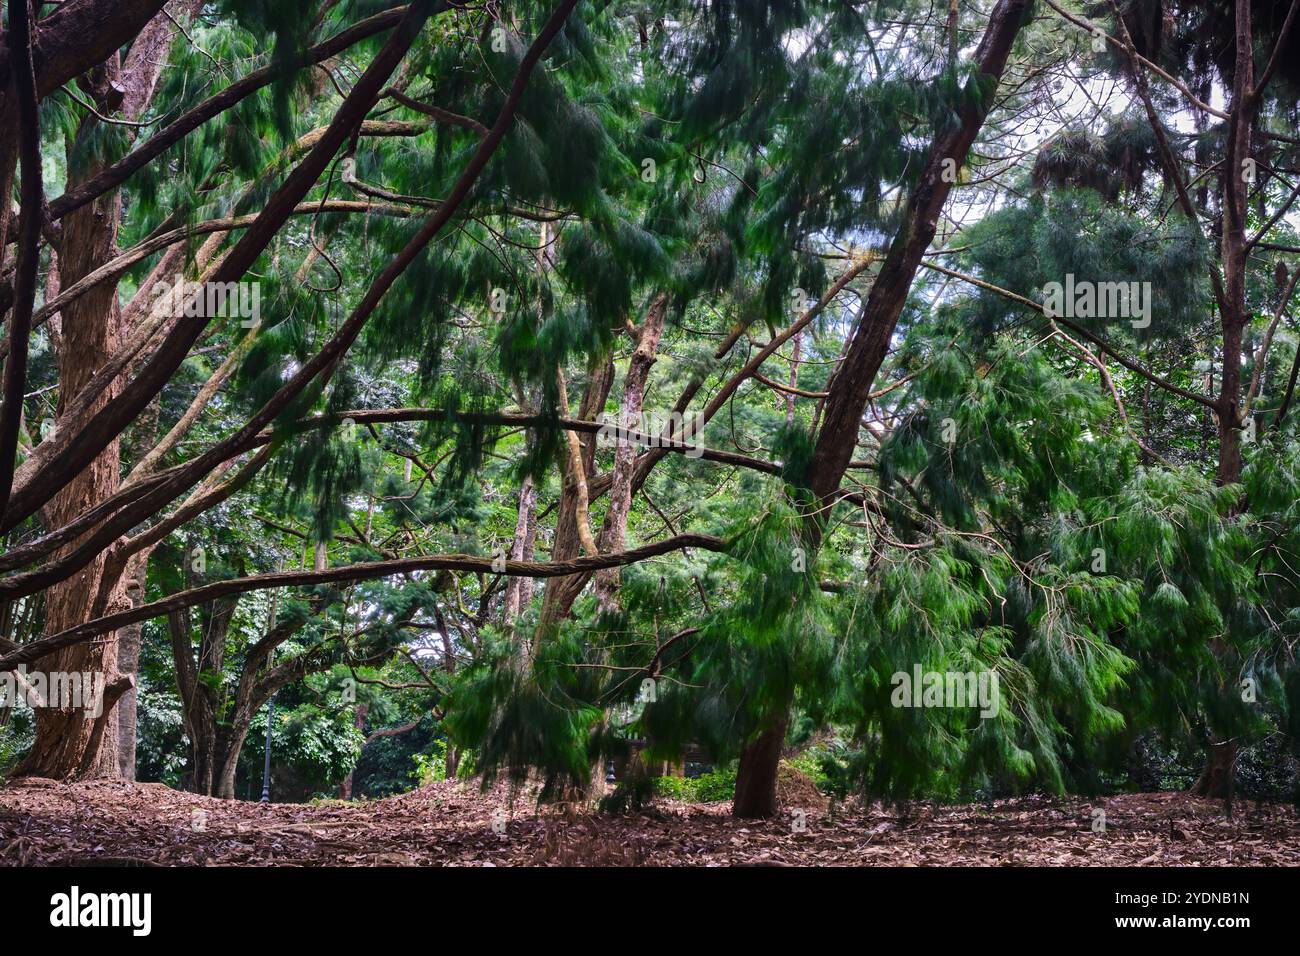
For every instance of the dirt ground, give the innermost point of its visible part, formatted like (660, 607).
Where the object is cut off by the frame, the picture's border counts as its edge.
(119, 824)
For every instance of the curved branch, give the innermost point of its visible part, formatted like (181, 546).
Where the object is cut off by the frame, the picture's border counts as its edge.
(437, 112)
(350, 573)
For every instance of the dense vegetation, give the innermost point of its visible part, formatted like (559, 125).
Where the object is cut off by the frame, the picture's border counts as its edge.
(620, 386)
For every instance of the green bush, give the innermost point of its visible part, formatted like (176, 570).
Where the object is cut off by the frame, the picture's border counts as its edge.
(812, 763)
(431, 765)
(16, 737)
(706, 788)
(675, 788)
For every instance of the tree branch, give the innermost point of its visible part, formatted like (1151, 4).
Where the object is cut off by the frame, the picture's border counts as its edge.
(1079, 330)
(214, 105)
(350, 573)
(76, 451)
(29, 237)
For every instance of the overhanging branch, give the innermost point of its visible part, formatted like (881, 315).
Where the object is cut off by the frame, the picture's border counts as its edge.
(366, 571)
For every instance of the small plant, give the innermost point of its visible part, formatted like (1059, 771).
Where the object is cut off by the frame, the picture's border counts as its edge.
(15, 741)
(431, 765)
(812, 763)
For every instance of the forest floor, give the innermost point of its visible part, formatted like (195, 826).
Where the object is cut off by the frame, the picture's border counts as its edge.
(149, 824)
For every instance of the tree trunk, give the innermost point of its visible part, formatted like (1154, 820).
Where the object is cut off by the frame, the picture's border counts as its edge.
(90, 335)
(1219, 773)
(199, 702)
(519, 591)
(128, 663)
(851, 384)
(614, 532)
(203, 747)
(231, 746)
(359, 722)
(756, 777)
(1217, 777)
(560, 593)
(70, 742)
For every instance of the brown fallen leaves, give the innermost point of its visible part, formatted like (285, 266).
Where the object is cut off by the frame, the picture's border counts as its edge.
(118, 824)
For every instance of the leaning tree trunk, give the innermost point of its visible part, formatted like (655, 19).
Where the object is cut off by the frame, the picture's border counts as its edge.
(851, 386)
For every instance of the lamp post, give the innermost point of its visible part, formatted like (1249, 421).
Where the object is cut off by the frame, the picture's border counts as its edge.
(266, 763)
(270, 702)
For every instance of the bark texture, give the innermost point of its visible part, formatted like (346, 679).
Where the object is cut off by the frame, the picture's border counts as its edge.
(68, 741)
(613, 533)
(562, 592)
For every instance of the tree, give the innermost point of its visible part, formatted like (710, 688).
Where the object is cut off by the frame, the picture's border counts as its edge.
(622, 381)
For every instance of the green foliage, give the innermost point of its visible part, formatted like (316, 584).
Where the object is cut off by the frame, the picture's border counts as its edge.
(432, 765)
(16, 738)
(1027, 501)
(713, 787)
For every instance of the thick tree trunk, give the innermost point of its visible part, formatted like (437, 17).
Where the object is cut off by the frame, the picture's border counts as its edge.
(203, 754)
(222, 744)
(214, 754)
(67, 741)
(90, 335)
(214, 751)
(199, 702)
(1219, 773)
(232, 744)
(756, 776)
